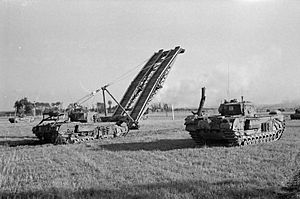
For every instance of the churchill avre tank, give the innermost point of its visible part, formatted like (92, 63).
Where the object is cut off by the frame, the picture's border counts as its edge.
(57, 128)
(237, 124)
(77, 126)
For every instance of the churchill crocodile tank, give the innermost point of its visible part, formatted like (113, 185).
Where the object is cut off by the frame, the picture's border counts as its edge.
(237, 124)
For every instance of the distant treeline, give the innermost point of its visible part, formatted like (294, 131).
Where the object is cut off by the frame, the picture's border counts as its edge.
(6, 113)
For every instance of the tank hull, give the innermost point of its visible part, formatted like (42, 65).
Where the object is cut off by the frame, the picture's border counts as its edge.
(75, 132)
(295, 116)
(235, 131)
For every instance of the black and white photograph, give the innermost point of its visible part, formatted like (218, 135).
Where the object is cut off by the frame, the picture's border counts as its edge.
(150, 99)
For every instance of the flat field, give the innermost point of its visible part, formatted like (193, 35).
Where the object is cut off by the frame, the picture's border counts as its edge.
(158, 161)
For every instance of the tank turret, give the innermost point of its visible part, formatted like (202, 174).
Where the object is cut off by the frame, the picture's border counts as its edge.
(234, 107)
(78, 113)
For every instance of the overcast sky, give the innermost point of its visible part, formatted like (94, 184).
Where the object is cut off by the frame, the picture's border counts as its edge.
(62, 50)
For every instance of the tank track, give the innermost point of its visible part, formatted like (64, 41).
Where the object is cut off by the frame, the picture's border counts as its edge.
(68, 137)
(232, 140)
(295, 117)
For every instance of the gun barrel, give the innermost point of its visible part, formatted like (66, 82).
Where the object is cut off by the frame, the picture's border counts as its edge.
(199, 112)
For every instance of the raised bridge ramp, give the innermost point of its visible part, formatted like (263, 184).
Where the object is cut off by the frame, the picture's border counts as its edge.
(145, 85)
(133, 89)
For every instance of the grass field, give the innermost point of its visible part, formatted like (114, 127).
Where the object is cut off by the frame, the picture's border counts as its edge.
(158, 161)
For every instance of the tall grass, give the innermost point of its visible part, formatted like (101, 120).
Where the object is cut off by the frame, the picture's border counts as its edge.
(158, 161)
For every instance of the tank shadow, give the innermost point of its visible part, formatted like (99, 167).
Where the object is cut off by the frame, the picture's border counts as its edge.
(160, 145)
(187, 189)
(15, 137)
(20, 141)
(216, 143)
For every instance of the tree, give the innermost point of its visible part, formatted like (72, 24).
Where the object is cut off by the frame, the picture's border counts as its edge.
(23, 106)
(19, 108)
(109, 105)
(57, 105)
(156, 107)
(100, 107)
(166, 108)
(42, 104)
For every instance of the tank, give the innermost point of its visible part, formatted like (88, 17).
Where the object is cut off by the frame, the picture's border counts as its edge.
(54, 128)
(237, 124)
(59, 128)
(296, 115)
(18, 119)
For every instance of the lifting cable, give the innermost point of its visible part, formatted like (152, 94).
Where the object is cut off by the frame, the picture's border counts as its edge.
(120, 78)
(90, 95)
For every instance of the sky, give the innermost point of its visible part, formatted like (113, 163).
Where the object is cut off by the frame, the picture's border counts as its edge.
(62, 50)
